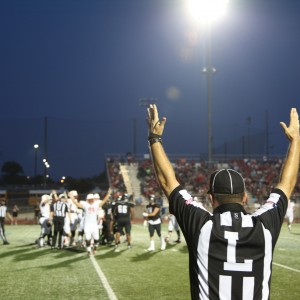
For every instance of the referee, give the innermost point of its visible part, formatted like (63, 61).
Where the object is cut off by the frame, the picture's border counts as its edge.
(230, 251)
(3, 214)
(58, 212)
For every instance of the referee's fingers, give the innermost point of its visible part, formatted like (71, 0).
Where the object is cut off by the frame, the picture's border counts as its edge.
(283, 125)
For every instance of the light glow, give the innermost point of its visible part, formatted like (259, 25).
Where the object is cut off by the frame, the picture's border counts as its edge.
(207, 11)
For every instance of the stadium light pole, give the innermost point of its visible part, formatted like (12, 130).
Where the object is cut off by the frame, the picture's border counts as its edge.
(46, 167)
(206, 12)
(36, 147)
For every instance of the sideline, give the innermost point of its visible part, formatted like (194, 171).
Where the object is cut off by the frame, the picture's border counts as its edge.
(109, 291)
(286, 267)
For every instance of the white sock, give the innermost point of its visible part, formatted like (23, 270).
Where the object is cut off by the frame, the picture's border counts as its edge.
(152, 246)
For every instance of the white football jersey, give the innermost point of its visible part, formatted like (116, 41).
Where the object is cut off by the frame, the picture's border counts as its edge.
(90, 212)
(45, 210)
(72, 207)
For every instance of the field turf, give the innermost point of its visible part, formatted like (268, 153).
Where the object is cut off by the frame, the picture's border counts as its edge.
(29, 272)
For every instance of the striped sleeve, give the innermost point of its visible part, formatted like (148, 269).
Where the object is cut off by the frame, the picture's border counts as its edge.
(190, 215)
(272, 213)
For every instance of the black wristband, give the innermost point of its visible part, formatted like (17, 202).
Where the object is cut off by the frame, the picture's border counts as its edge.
(154, 140)
(153, 136)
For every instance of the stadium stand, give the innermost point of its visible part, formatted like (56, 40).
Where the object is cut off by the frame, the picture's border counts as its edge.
(260, 177)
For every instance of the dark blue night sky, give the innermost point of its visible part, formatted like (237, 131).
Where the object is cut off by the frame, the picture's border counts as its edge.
(85, 64)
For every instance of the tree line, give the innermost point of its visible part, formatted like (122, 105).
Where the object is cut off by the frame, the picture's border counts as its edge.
(13, 176)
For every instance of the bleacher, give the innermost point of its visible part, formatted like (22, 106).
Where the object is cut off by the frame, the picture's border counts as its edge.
(260, 175)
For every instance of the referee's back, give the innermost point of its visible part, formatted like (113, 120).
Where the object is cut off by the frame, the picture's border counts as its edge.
(230, 250)
(59, 209)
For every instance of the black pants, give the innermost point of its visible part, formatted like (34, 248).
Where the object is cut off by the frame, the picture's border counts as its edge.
(2, 230)
(58, 223)
(106, 231)
(153, 228)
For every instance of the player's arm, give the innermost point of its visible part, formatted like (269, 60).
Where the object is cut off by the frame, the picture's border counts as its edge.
(51, 215)
(164, 171)
(290, 168)
(54, 195)
(131, 213)
(155, 211)
(45, 201)
(78, 204)
(105, 198)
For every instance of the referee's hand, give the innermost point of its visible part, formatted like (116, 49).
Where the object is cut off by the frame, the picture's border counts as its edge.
(292, 131)
(155, 125)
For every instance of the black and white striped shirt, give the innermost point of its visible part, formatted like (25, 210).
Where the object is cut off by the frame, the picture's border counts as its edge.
(59, 209)
(3, 209)
(230, 251)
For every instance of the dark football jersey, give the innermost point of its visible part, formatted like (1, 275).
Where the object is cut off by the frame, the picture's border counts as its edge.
(122, 210)
(150, 208)
(107, 207)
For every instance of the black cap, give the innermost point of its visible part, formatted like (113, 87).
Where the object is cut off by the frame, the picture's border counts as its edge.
(226, 181)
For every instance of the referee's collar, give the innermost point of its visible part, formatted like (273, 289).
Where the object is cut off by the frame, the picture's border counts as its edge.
(233, 207)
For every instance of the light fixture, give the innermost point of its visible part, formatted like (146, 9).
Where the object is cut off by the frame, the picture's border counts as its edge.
(206, 11)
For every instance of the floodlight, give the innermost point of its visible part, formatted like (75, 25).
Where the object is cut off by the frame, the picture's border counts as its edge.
(207, 11)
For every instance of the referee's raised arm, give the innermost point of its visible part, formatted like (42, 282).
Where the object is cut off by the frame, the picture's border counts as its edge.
(162, 165)
(290, 168)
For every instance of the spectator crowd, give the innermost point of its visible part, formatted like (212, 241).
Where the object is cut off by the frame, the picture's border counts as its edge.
(260, 176)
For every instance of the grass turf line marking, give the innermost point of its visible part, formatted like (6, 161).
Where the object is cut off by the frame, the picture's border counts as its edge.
(285, 267)
(109, 291)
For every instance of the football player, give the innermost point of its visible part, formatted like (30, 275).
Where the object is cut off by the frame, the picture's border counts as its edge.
(154, 223)
(290, 214)
(46, 228)
(90, 208)
(123, 214)
(172, 224)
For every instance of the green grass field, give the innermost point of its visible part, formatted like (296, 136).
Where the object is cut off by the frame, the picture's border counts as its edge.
(29, 272)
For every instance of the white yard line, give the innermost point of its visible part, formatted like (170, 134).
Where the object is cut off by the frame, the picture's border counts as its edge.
(109, 291)
(286, 267)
